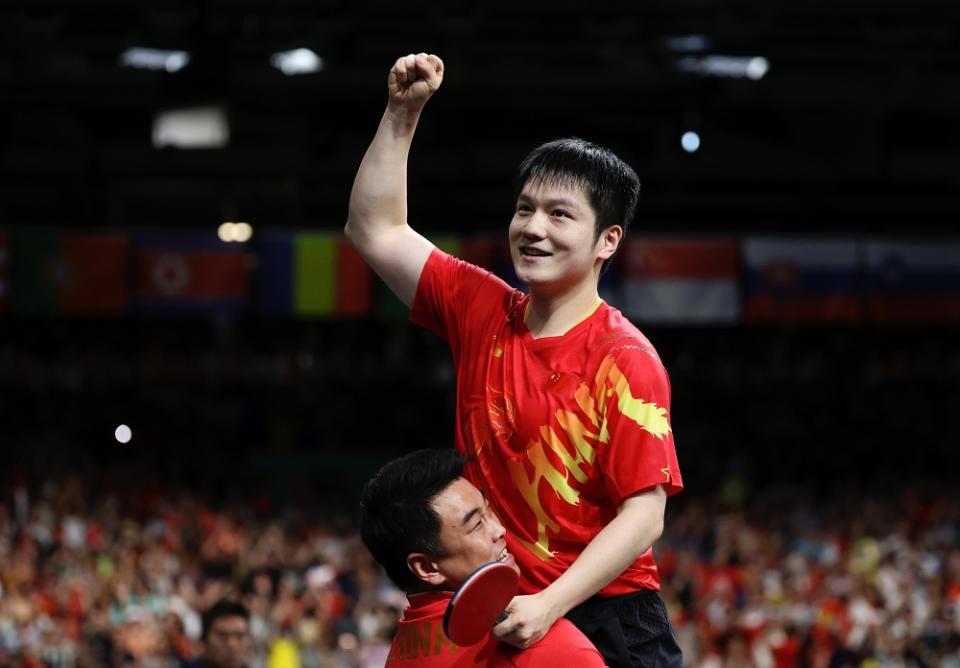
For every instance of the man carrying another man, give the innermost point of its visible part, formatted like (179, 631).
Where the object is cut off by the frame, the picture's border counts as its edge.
(430, 529)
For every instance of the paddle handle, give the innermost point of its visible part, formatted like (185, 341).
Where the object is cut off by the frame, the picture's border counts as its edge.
(503, 615)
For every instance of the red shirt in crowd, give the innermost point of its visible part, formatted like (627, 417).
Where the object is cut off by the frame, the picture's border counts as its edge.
(564, 428)
(421, 642)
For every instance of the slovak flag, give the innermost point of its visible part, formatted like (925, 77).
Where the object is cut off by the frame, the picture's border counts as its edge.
(802, 280)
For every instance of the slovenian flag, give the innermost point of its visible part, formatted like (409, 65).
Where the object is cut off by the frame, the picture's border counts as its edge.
(190, 271)
(802, 280)
(913, 280)
(674, 281)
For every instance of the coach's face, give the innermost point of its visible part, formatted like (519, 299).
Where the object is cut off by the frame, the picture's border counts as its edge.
(470, 533)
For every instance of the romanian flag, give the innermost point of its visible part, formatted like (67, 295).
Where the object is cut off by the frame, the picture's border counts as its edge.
(674, 281)
(913, 280)
(190, 272)
(312, 274)
(802, 280)
(70, 273)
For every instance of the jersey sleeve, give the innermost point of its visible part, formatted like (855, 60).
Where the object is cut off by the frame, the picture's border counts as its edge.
(451, 293)
(635, 392)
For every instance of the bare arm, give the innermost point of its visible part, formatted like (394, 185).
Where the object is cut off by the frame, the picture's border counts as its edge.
(377, 220)
(638, 524)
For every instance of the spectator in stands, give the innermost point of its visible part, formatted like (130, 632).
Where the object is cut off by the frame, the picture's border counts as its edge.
(226, 636)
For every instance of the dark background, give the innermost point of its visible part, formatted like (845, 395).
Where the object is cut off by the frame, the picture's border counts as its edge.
(852, 132)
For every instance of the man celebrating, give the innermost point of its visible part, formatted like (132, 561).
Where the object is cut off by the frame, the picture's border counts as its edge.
(430, 529)
(563, 402)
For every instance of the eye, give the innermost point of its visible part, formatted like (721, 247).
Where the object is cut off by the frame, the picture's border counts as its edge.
(523, 208)
(559, 213)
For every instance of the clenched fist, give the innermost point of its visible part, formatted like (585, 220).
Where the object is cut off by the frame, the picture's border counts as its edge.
(413, 79)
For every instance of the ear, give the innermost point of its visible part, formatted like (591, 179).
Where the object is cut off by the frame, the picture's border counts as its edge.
(425, 568)
(609, 241)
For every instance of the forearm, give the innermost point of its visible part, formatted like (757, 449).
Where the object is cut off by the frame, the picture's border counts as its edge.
(378, 200)
(631, 533)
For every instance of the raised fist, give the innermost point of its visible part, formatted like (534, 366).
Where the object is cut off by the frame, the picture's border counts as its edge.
(413, 79)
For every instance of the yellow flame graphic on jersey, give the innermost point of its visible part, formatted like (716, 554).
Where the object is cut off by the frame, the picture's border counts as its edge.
(584, 433)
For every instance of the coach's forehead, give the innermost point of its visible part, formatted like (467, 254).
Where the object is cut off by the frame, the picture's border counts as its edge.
(457, 500)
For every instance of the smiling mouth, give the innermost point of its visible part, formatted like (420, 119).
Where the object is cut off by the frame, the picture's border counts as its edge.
(526, 251)
(503, 555)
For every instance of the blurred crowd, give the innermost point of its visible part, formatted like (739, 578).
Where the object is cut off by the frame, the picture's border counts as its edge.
(773, 578)
(123, 581)
(858, 577)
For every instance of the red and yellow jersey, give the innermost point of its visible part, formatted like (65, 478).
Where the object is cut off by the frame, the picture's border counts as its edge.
(421, 642)
(563, 428)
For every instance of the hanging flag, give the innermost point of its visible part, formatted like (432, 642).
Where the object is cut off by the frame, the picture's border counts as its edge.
(73, 273)
(802, 280)
(312, 274)
(675, 281)
(4, 272)
(190, 271)
(913, 280)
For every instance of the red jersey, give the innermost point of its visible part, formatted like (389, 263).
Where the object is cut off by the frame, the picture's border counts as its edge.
(420, 641)
(564, 428)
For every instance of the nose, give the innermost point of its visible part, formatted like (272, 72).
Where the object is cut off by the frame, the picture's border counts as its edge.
(534, 226)
(496, 528)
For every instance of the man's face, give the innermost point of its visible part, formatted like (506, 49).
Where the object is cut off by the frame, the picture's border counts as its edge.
(470, 532)
(228, 642)
(553, 237)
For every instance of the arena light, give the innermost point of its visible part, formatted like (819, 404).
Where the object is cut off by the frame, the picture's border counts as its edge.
(196, 127)
(155, 59)
(123, 434)
(297, 61)
(690, 141)
(230, 232)
(735, 67)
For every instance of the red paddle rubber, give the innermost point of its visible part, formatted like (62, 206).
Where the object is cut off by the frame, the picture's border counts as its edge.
(478, 604)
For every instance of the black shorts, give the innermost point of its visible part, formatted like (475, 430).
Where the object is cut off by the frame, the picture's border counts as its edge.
(631, 631)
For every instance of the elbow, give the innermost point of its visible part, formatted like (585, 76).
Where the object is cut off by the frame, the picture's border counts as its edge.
(351, 232)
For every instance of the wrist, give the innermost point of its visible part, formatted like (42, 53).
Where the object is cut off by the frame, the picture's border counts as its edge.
(554, 602)
(402, 119)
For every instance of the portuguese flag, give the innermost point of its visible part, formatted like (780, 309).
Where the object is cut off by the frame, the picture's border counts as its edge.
(70, 273)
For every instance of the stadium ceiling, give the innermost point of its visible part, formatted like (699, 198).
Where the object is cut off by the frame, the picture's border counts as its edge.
(851, 128)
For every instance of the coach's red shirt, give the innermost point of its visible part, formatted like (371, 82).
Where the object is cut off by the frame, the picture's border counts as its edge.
(421, 642)
(564, 428)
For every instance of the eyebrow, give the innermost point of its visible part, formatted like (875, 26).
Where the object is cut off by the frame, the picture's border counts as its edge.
(553, 201)
(470, 513)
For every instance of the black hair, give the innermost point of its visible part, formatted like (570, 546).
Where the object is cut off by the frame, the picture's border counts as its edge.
(396, 516)
(223, 608)
(610, 185)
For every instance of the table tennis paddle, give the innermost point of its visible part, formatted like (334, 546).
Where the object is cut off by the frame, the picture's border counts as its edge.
(478, 604)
